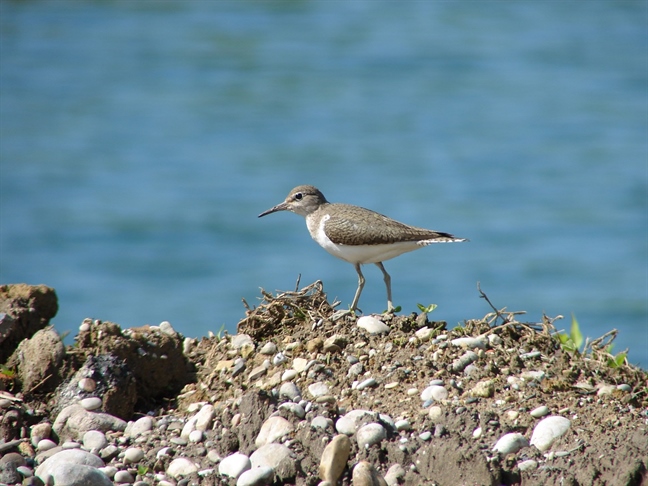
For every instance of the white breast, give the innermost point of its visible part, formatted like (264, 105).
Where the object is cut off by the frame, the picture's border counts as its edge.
(359, 253)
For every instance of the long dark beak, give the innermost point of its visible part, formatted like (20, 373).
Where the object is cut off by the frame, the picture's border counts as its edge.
(279, 207)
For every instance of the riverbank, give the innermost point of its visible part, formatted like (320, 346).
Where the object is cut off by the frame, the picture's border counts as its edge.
(297, 398)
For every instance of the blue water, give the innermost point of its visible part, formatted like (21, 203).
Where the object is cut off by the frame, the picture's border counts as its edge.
(140, 140)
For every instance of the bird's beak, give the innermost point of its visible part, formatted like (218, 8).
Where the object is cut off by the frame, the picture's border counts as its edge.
(279, 207)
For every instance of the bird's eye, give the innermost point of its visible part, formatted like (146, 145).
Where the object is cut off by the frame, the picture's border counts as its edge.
(299, 196)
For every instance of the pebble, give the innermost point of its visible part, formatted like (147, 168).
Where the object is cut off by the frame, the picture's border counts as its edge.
(45, 445)
(355, 369)
(196, 436)
(39, 432)
(483, 389)
(349, 423)
(278, 457)
(402, 425)
(539, 411)
(123, 477)
(299, 364)
(289, 390)
(435, 413)
(424, 334)
(167, 328)
(288, 375)
(294, 408)
(464, 360)
(548, 430)
(370, 434)
(234, 465)
(427, 435)
(527, 465)
(334, 458)
(272, 429)
(364, 474)
(624, 387)
(268, 348)
(395, 475)
(278, 359)
(318, 389)
(91, 403)
(434, 392)
(470, 342)
(94, 440)
(510, 443)
(372, 325)
(140, 426)
(133, 454)
(181, 466)
(366, 384)
(74, 421)
(257, 476)
(257, 373)
(240, 340)
(74, 458)
(205, 417)
(321, 422)
(477, 433)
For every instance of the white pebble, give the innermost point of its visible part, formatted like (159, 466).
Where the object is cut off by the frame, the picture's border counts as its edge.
(366, 383)
(511, 443)
(370, 434)
(372, 325)
(434, 392)
(234, 465)
(349, 423)
(273, 428)
(539, 411)
(318, 389)
(256, 476)
(402, 425)
(91, 403)
(470, 342)
(133, 454)
(196, 436)
(548, 430)
(527, 465)
(289, 390)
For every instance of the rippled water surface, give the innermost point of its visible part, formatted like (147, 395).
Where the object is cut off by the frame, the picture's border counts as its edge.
(140, 140)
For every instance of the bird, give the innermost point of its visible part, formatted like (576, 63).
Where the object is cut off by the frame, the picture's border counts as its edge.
(357, 235)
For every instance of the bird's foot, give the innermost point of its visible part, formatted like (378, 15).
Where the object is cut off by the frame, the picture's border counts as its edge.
(343, 313)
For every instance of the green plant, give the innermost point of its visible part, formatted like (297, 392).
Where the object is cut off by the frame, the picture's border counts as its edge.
(428, 309)
(142, 470)
(7, 373)
(571, 342)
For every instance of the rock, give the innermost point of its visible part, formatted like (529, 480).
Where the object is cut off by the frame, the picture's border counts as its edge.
(9, 464)
(434, 392)
(257, 476)
(113, 382)
(321, 422)
(278, 457)
(74, 421)
(24, 310)
(364, 474)
(424, 334)
(294, 408)
(205, 417)
(91, 403)
(528, 465)
(123, 477)
(268, 348)
(548, 430)
(39, 432)
(395, 475)
(510, 443)
(483, 389)
(334, 458)
(133, 455)
(539, 411)
(52, 467)
(234, 465)
(94, 440)
(373, 325)
(369, 382)
(139, 427)
(167, 328)
(370, 434)
(435, 413)
(464, 360)
(348, 424)
(272, 429)
(181, 466)
(318, 389)
(470, 342)
(38, 361)
(77, 475)
(289, 390)
(240, 341)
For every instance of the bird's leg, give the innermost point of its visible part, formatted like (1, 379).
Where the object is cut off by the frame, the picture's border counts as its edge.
(390, 306)
(361, 282)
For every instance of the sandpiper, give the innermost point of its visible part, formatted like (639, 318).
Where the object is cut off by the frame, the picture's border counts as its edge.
(357, 235)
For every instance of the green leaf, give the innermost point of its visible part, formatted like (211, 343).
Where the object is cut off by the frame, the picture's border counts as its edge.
(427, 309)
(575, 333)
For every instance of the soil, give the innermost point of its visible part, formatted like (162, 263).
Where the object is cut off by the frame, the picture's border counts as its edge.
(521, 367)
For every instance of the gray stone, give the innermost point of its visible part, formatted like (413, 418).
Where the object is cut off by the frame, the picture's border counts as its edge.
(74, 421)
(140, 426)
(276, 456)
(370, 434)
(289, 390)
(181, 466)
(364, 474)
(133, 455)
(53, 468)
(234, 465)
(258, 476)
(373, 325)
(9, 464)
(91, 403)
(39, 432)
(273, 428)
(334, 458)
(94, 440)
(123, 477)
